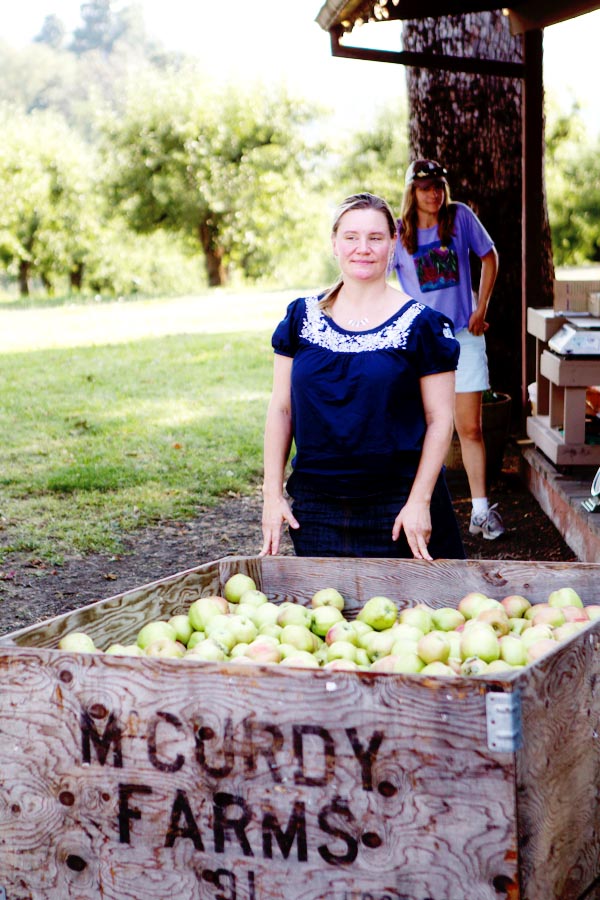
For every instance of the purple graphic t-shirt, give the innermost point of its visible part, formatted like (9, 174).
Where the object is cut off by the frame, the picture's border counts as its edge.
(439, 274)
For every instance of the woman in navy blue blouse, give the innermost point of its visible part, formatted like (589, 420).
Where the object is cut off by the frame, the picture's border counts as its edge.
(363, 387)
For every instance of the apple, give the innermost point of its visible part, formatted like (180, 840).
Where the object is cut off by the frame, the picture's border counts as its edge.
(264, 650)
(203, 609)
(342, 665)
(223, 635)
(593, 611)
(565, 631)
(575, 613)
(408, 632)
(518, 625)
(361, 627)
(236, 585)
(500, 665)
(165, 648)
(540, 648)
(536, 633)
(565, 596)
(77, 642)
(383, 664)
(302, 659)
(294, 614)
(379, 612)
(447, 618)
(433, 647)
(513, 650)
(327, 597)
(472, 603)
(548, 615)
(243, 628)
(342, 631)
(299, 636)
(183, 628)
(272, 629)
(208, 650)
(377, 643)
(254, 597)
(322, 618)
(474, 665)
(266, 614)
(341, 650)
(437, 668)
(496, 617)
(196, 638)
(480, 641)
(515, 605)
(418, 616)
(407, 663)
(403, 645)
(124, 650)
(152, 631)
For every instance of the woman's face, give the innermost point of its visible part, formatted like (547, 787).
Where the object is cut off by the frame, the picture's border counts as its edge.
(430, 198)
(363, 244)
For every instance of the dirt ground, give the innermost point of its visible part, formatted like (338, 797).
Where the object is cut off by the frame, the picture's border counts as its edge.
(31, 591)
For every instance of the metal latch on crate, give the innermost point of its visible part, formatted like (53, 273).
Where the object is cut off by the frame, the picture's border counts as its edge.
(503, 717)
(592, 503)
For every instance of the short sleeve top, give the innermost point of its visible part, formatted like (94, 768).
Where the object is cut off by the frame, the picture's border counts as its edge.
(440, 275)
(357, 416)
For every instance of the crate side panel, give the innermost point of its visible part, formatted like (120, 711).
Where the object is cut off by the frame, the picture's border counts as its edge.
(121, 775)
(558, 770)
(437, 583)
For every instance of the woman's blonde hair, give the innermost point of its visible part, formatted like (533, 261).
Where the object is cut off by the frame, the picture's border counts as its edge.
(363, 200)
(409, 218)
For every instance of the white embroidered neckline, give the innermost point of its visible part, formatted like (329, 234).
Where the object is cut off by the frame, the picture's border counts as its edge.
(317, 328)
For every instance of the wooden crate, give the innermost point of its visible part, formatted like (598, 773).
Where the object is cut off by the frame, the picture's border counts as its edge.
(574, 296)
(150, 778)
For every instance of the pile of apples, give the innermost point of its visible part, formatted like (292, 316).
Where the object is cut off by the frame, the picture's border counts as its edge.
(480, 635)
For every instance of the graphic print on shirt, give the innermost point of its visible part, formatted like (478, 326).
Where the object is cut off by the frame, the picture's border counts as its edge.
(437, 266)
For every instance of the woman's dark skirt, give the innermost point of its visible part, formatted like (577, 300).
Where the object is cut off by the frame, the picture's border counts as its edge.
(362, 527)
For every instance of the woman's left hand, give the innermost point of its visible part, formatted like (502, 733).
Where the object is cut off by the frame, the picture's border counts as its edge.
(415, 519)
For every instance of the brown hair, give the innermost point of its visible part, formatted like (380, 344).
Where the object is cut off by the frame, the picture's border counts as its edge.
(356, 201)
(409, 218)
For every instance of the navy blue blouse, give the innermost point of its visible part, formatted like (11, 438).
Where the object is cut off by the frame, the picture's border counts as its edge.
(357, 417)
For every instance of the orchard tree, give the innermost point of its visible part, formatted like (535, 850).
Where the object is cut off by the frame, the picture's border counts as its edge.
(472, 123)
(231, 169)
(48, 207)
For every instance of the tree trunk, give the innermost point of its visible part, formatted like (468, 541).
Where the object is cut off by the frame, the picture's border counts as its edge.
(76, 277)
(213, 253)
(472, 123)
(24, 268)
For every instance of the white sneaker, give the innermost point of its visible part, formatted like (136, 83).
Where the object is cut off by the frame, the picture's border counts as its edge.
(489, 524)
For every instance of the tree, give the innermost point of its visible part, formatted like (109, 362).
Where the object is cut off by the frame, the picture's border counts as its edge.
(52, 33)
(473, 124)
(230, 169)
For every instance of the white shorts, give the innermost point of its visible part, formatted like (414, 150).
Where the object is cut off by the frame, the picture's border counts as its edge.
(472, 372)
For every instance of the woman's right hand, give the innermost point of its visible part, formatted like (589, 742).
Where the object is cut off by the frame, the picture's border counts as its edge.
(275, 513)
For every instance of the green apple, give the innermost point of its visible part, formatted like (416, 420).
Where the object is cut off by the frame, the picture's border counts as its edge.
(165, 648)
(407, 663)
(203, 609)
(341, 665)
(196, 638)
(236, 585)
(536, 633)
(513, 650)
(519, 625)
(264, 650)
(328, 597)
(254, 597)
(418, 616)
(183, 628)
(473, 665)
(152, 631)
(124, 650)
(272, 629)
(565, 596)
(77, 642)
(515, 605)
(472, 603)
(243, 628)
(325, 617)
(500, 665)
(433, 647)
(496, 617)
(341, 650)
(437, 668)
(342, 631)
(482, 641)
(294, 614)
(541, 648)
(266, 614)
(563, 632)
(548, 615)
(298, 636)
(302, 659)
(378, 643)
(379, 612)
(209, 650)
(403, 631)
(447, 618)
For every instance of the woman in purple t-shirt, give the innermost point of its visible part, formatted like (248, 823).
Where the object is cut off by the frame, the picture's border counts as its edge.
(432, 262)
(363, 385)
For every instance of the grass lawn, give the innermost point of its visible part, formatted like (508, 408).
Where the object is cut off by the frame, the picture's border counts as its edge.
(117, 415)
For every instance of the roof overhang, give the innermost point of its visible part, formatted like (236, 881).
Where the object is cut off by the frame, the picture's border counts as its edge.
(344, 15)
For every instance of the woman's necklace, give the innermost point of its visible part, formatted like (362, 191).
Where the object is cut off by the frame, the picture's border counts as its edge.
(356, 323)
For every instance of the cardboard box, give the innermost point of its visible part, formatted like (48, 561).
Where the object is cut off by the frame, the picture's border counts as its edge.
(129, 778)
(573, 296)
